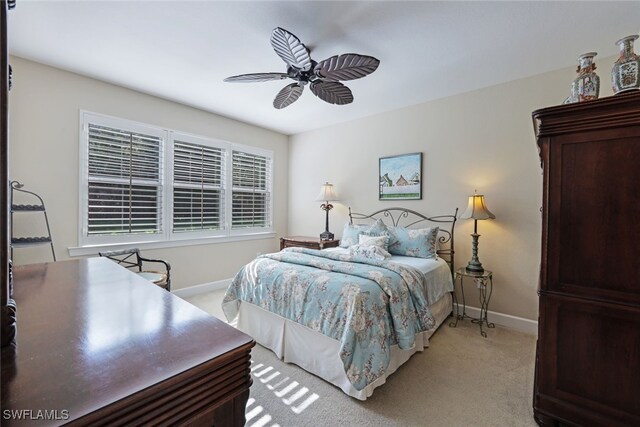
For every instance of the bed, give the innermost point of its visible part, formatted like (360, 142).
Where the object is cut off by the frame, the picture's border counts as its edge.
(349, 319)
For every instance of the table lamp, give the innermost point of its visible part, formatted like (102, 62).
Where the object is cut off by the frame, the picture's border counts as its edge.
(327, 195)
(476, 210)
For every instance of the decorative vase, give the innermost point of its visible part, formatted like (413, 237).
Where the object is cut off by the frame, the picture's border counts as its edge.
(587, 85)
(624, 75)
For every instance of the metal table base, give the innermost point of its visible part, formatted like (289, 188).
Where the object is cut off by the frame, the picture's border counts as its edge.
(484, 282)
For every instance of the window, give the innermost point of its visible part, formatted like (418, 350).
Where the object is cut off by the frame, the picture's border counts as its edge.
(124, 182)
(144, 184)
(251, 191)
(198, 187)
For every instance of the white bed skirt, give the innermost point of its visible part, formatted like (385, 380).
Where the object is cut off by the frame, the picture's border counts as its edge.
(319, 354)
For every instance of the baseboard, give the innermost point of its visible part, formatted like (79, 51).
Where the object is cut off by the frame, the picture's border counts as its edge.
(520, 324)
(202, 288)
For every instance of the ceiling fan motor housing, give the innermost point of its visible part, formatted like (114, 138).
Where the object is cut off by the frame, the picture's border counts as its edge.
(303, 76)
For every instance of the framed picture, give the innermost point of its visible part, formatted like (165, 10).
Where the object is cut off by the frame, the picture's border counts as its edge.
(401, 177)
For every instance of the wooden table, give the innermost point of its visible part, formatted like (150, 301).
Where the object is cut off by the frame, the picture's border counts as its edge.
(307, 242)
(98, 345)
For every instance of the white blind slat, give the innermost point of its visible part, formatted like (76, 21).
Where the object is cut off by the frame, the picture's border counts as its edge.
(118, 153)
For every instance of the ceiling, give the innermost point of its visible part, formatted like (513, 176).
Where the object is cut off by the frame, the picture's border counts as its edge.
(182, 50)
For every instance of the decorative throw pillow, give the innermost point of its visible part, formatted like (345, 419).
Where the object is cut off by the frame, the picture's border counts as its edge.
(377, 228)
(350, 234)
(367, 239)
(369, 251)
(419, 243)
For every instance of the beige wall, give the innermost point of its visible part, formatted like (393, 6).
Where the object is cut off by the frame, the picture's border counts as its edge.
(479, 140)
(482, 139)
(44, 108)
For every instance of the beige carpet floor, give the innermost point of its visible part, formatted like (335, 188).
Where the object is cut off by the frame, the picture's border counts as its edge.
(462, 379)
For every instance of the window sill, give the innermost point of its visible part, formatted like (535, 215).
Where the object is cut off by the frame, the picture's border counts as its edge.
(94, 249)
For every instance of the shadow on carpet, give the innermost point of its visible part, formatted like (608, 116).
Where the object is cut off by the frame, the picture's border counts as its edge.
(462, 379)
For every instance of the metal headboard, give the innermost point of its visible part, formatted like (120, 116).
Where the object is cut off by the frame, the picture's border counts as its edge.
(401, 217)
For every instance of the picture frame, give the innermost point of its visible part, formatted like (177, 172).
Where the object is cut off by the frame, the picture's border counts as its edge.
(400, 177)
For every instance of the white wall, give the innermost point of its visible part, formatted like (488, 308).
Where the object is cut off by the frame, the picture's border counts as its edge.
(44, 108)
(480, 140)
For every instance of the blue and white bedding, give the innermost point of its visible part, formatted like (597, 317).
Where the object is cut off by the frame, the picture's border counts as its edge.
(367, 305)
(436, 271)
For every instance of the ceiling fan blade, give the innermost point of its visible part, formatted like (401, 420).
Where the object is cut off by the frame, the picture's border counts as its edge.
(255, 77)
(348, 66)
(290, 49)
(288, 95)
(332, 92)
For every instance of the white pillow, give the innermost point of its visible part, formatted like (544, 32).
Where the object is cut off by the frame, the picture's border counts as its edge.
(369, 251)
(380, 241)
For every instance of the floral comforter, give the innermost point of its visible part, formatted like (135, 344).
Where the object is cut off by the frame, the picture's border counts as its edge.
(367, 305)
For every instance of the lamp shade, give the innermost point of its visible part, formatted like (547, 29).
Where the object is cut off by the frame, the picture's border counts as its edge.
(327, 194)
(477, 209)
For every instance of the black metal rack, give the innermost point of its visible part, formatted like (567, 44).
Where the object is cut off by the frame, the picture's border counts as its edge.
(23, 242)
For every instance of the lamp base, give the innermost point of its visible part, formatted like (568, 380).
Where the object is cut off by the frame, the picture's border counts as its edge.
(326, 236)
(474, 268)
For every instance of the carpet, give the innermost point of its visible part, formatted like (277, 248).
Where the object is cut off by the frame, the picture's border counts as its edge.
(462, 379)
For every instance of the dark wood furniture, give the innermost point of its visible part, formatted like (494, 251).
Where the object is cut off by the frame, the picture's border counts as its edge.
(99, 345)
(7, 306)
(588, 352)
(307, 242)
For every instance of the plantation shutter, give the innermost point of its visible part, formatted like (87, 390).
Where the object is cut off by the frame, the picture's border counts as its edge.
(124, 182)
(251, 191)
(198, 187)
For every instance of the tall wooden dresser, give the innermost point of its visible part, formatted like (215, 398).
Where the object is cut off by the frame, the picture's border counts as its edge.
(588, 351)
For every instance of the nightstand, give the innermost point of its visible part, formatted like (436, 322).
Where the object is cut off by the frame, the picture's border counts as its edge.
(484, 283)
(307, 242)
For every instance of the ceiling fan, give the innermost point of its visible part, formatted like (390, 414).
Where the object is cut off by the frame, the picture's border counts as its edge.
(323, 77)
